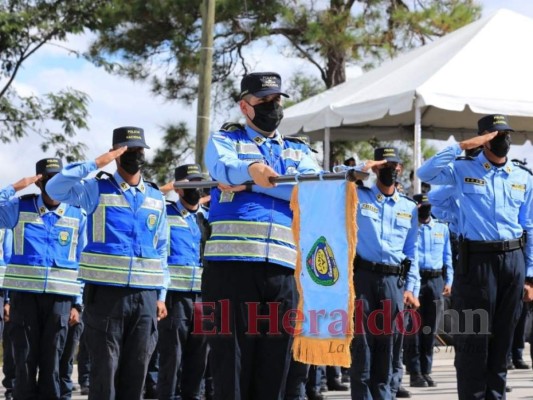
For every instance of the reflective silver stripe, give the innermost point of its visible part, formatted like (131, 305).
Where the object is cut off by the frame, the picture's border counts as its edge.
(247, 148)
(68, 222)
(152, 203)
(120, 262)
(176, 221)
(2, 238)
(18, 231)
(114, 200)
(185, 277)
(247, 248)
(253, 230)
(2, 274)
(120, 277)
(42, 279)
(293, 154)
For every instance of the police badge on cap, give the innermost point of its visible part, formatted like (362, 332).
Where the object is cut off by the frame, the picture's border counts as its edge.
(261, 84)
(130, 136)
(491, 123)
(387, 153)
(48, 166)
(188, 171)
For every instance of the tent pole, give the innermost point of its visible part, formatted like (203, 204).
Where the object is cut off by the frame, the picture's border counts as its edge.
(326, 148)
(417, 144)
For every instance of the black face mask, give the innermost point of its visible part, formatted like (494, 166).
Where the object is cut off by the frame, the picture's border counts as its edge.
(501, 145)
(268, 116)
(424, 212)
(132, 161)
(387, 176)
(191, 196)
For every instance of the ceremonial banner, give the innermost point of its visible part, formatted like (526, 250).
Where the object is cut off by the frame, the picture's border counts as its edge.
(324, 229)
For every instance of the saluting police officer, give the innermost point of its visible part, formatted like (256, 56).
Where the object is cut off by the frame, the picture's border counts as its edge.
(251, 252)
(124, 265)
(41, 276)
(183, 352)
(386, 246)
(436, 272)
(495, 207)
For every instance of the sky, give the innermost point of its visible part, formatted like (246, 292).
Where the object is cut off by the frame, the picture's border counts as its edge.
(118, 101)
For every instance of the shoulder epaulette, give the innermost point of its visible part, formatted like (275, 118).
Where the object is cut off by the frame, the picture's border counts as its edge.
(28, 196)
(522, 166)
(301, 140)
(408, 198)
(104, 175)
(152, 184)
(469, 158)
(231, 126)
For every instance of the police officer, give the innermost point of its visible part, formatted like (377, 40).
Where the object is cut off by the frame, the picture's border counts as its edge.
(251, 253)
(123, 265)
(6, 247)
(183, 352)
(436, 272)
(41, 276)
(8, 362)
(386, 245)
(495, 199)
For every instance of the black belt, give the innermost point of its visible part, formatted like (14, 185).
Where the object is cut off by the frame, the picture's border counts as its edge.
(481, 246)
(430, 273)
(385, 269)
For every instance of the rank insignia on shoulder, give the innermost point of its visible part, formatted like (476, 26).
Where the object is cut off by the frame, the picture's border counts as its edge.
(487, 166)
(380, 197)
(124, 186)
(475, 181)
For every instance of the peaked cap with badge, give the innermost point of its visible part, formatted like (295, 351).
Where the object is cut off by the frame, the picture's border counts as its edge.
(130, 136)
(387, 153)
(261, 84)
(189, 172)
(491, 123)
(48, 166)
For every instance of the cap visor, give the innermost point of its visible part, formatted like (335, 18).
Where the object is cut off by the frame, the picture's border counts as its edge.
(194, 176)
(267, 92)
(133, 143)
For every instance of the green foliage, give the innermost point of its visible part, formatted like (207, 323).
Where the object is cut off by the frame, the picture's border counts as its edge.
(178, 145)
(26, 26)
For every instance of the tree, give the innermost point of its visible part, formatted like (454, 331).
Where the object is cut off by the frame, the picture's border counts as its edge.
(25, 27)
(178, 145)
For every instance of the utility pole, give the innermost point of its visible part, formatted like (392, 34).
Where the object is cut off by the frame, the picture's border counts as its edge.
(204, 85)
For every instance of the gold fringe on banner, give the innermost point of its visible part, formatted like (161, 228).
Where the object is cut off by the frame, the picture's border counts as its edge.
(331, 351)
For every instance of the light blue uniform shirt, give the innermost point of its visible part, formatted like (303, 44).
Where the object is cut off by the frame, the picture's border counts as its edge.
(70, 187)
(9, 216)
(434, 249)
(495, 203)
(388, 228)
(225, 166)
(444, 206)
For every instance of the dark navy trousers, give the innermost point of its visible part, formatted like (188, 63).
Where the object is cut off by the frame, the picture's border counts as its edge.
(121, 329)
(379, 300)
(8, 358)
(84, 362)
(38, 333)
(487, 296)
(66, 363)
(249, 364)
(182, 352)
(418, 348)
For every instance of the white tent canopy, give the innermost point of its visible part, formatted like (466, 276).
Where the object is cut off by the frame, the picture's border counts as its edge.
(437, 90)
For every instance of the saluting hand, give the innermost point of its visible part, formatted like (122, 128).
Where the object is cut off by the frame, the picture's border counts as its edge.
(25, 182)
(478, 140)
(369, 164)
(261, 174)
(169, 187)
(161, 310)
(111, 155)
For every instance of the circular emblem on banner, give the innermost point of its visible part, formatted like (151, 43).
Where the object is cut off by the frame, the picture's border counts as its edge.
(321, 263)
(151, 221)
(64, 238)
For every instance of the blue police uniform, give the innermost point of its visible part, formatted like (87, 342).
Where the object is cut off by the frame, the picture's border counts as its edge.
(435, 266)
(494, 209)
(124, 270)
(386, 237)
(42, 279)
(6, 247)
(8, 365)
(183, 352)
(251, 257)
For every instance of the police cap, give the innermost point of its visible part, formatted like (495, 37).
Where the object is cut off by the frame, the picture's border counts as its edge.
(189, 172)
(421, 199)
(48, 166)
(130, 136)
(261, 84)
(491, 123)
(387, 153)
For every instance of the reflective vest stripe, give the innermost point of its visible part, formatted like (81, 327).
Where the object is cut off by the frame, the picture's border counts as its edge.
(120, 262)
(247, 248)
(185, 277)
(122, 278)
(253, 230)
(2, 238)
(2, 274)
(42, 279)
(247, 148)
(18, 231)
(292, 154)
(174, 220)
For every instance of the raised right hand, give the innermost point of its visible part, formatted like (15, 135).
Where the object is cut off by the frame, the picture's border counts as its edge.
(111, 155)
(478, 141)
(25, 182)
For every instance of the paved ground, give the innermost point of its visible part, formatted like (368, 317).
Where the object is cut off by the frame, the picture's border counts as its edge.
(444, 374)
